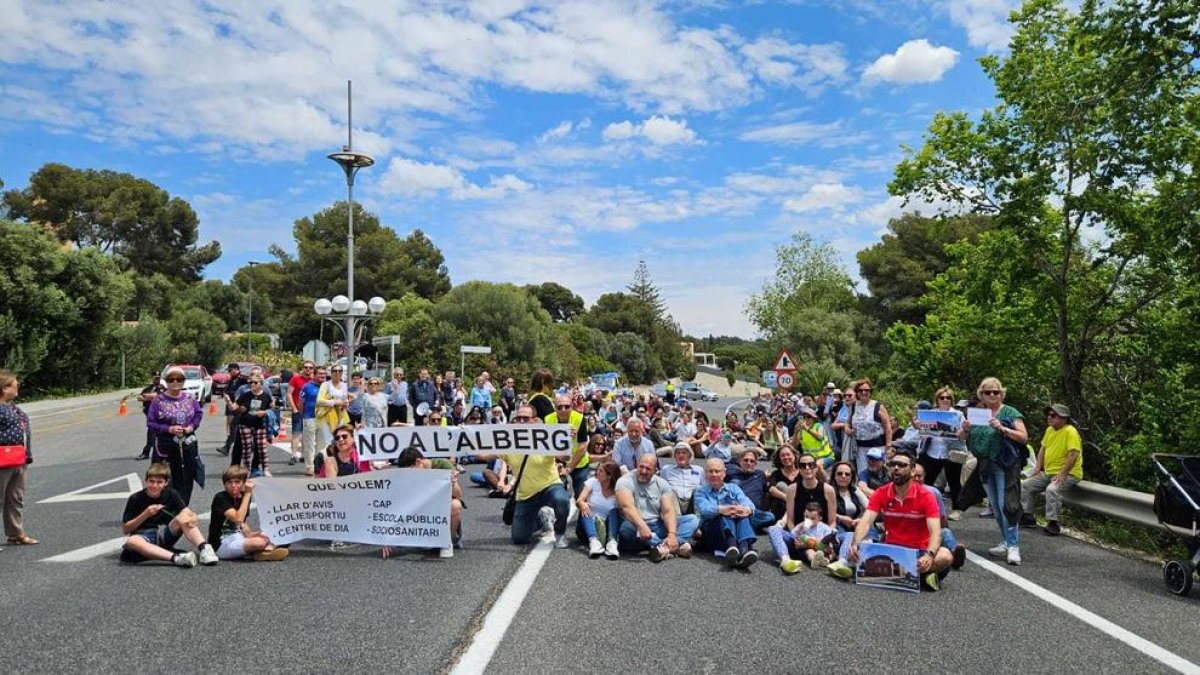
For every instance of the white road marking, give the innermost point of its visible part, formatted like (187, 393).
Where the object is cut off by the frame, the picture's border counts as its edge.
(132, 481)
(107, 547)
(1163, 656)
(495, 624)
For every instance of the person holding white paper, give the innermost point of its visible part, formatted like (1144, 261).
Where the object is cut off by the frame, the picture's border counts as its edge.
(936, 456)
(987, 442)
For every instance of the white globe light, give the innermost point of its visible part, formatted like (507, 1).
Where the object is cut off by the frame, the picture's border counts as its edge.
(377, 305)
(322, 306)
(358, 308)
(340, 304)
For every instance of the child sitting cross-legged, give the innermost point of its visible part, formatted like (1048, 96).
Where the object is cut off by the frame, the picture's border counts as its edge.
(807, 538)
(155, 518)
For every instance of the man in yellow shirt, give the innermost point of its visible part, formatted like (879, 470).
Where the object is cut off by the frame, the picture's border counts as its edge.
(565, 413)
(1059, 467)
(542, 501)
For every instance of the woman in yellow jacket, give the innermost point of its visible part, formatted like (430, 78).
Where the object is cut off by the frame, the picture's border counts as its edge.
(332, 403)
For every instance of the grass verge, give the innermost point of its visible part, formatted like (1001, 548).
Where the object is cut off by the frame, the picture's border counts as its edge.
(1139, 541)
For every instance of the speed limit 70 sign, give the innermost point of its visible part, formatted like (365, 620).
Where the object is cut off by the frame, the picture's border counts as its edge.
(785, 380)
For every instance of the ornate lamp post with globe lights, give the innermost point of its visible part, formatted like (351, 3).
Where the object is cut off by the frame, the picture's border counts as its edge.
(344, 309)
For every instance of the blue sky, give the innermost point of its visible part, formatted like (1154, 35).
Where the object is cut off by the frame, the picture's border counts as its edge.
(532, 141)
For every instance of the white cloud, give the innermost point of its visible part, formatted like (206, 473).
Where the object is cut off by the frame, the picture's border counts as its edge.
(808, 67)
(410, 177)
(561, 131)
(657, 129)
(824, 196)
(828, 135)
(915, 62)
(986, 21)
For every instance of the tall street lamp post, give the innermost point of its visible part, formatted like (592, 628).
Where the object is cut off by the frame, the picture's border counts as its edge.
(250, 313)
(345, 308)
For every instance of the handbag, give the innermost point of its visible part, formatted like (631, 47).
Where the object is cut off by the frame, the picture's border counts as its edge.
(510, 504)
(12, 456)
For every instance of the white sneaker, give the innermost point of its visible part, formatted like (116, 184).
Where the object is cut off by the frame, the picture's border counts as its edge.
(184, 559)
(561, 541)
(207, 555)
(610, 550)
(1014, 555)
(447, 552)
(546, 515)
(819, 560)
(999, 550)
(595, 548)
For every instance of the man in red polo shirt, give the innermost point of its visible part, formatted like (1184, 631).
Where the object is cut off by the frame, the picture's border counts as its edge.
(912, 519)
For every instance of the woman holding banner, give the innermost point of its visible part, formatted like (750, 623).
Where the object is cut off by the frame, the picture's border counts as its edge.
(937, 449)
(341, 457)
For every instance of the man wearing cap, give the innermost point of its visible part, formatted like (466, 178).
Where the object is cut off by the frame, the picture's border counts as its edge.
(913, 521)
(723, 449)
(876, 474)
(682, 476)
(1059, 467)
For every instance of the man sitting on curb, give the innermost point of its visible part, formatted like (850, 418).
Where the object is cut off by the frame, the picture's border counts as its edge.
(725, 515)
(155, 518)
(1059, 468)
(913, 521)
(647, 505)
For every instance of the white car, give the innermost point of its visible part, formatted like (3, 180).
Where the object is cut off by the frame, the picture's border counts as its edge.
(198, 381)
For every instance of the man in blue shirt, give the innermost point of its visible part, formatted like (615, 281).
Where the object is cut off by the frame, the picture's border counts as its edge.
(308, 411)
(397, 395)
(422, 391)
(632, 445)
(725, 513)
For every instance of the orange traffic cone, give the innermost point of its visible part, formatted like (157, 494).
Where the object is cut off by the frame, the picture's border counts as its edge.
(212, 407)
(122, 410)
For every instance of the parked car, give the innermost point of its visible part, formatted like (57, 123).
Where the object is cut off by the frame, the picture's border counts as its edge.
(198, 382)
(220, 379)
(694, 392)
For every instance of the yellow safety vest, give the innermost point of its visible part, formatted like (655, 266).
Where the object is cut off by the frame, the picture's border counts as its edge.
(575, 421)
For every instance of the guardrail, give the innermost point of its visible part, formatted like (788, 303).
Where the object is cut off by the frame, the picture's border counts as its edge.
(1115, 502)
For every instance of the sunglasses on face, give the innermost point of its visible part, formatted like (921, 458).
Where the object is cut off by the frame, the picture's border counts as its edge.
(992, 392)
(898, 465)
(806, 465)
(863, 391)
(342, 437)
(1051, 415)
(944, 398)
(843, 473)
(562, 407)
(175, 378)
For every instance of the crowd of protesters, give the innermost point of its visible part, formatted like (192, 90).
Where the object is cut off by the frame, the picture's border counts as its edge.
(647, 474)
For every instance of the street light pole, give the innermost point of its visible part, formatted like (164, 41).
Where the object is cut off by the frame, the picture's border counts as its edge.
(250, 313)
(351, 162)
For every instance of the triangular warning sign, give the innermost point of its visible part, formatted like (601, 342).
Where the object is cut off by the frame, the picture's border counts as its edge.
(785, 362)
(131, 481)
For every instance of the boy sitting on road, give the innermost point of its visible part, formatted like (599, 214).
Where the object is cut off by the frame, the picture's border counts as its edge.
(228, 531)
(155, 518)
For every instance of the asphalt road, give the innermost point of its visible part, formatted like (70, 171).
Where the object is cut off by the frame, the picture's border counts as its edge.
(323, 611)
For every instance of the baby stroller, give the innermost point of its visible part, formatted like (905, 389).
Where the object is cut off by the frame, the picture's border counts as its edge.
(1177, 505)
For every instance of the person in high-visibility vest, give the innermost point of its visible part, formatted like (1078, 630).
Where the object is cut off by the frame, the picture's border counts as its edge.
(669, 396)
(565, 413)
(812, 440)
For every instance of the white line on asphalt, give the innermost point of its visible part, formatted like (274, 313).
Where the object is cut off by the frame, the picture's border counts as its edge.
(1168, 658)
(132, 481)
(96, 550)
(475, 660)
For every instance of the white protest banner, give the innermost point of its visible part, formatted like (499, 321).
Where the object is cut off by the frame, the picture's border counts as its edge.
(395, 507)
(381, 444)
(981, 416)
(941, 423)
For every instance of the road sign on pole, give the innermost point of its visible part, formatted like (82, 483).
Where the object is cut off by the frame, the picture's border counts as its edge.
(769, 379)
(785, 380)
(463, 350)
(785, 363)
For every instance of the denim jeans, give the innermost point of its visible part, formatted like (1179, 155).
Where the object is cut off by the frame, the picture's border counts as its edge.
(948, 538)
(587, 526)
(525, 516)
(476, 477)
(722, 532)
(761, 520)
(993, 478)
(685, 527)
(578, 478)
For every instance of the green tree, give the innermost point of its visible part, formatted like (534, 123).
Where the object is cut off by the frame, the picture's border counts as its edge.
(1085, 161)
(146, 346)
(557, 300)
(198, 337)
(643, 289)
(634, 358)
(908, 257)
(503, 316)
(131, 218)
(411, 319)
(58, 305)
